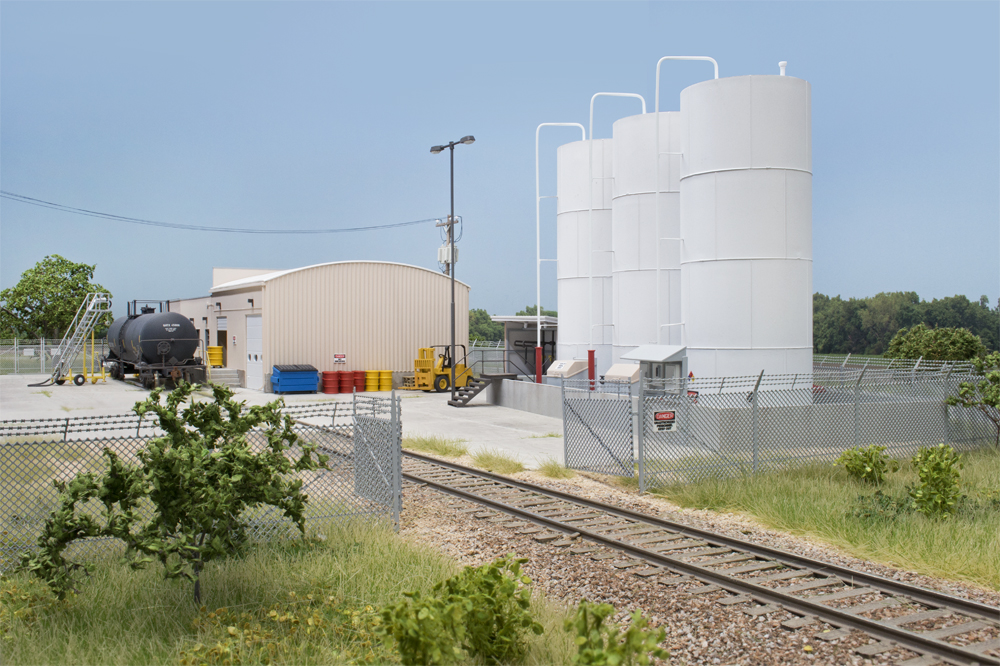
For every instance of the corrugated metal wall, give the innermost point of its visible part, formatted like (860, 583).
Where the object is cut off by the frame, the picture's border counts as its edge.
(378, 314)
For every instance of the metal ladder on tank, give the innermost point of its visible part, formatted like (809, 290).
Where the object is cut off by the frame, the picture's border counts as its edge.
(93, 307)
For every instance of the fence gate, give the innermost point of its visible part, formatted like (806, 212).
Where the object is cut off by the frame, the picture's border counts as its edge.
(378, 435)
(597, 427)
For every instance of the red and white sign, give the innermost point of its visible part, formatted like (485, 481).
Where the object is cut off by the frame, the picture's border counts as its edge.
(665, 421)
(340, 358)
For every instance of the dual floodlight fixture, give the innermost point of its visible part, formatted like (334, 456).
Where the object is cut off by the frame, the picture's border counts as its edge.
(465, 139)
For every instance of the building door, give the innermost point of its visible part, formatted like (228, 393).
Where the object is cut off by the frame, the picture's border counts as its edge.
(255, 353)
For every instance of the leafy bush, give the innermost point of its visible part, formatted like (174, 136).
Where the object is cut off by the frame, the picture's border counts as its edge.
(984, 394)
(198, 478)
(868, 464)
(935, 344)
(938, 491)
(600, 644)
(484, 610)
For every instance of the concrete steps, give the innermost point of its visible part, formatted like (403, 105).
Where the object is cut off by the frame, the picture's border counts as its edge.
(227, 376)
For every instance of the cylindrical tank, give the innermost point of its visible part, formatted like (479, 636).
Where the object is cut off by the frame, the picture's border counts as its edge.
(584, 251)
(160, 337)
(636, 232)
(746, 221)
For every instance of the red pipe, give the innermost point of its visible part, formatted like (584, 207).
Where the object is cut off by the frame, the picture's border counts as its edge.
(538, 365)
(590, 367)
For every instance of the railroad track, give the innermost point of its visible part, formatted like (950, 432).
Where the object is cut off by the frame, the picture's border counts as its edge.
(762, 579)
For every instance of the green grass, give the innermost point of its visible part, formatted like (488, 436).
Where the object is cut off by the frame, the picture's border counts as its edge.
(554, 469)
(548, 434)
(329, 591)
(496, 460)
(821, 501)
(449, 448)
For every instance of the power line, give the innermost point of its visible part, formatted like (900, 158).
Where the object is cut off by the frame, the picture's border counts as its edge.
(193, 227)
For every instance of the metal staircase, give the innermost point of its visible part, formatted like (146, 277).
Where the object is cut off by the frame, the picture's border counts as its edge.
(87, 316)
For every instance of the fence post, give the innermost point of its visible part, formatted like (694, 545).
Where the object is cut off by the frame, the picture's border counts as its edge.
(41, 353)
(756, 434)
(857, 411)
(562, 390)
(641, 419)
(396, 457)
(15, 355)
(947, 419)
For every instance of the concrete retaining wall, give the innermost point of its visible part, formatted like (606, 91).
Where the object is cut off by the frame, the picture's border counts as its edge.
(542, 399)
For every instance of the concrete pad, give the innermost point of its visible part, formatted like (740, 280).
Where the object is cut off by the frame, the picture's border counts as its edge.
(480, 425)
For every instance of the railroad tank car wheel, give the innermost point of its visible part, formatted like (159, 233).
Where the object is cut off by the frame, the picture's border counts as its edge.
(60, 382)
(79, 380)
(441, 383)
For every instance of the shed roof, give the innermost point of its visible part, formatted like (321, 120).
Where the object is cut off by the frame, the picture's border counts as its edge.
(260, 280)
(656, 353)
(547, 322)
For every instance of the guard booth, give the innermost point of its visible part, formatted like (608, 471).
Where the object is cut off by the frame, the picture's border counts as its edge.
(660, 362)
(521, 336)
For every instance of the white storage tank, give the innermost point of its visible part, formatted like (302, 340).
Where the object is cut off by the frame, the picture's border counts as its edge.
(643, 314)
(584, 251)
(746, 220)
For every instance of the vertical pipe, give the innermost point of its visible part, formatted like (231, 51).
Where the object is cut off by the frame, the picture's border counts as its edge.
(590, 367)
(538, 365)
(538, 235)
(656, 172)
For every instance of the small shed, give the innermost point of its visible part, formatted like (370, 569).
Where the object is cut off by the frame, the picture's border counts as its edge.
(660, 361)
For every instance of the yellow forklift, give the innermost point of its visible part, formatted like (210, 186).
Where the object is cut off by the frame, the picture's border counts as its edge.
(434, 374)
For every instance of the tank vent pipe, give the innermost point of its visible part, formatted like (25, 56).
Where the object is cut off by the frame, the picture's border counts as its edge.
(782, 65)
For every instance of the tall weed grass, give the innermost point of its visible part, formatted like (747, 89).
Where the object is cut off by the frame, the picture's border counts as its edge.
(821, 501)
(497, 460)
(449, 448)
(123, 617)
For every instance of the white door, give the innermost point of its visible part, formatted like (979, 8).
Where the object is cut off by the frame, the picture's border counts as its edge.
(255, 353)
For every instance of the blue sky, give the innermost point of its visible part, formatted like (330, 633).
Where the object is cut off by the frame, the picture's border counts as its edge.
(320, 115)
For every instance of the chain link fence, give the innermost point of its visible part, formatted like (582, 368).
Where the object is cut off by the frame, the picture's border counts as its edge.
(691, 429)
(34, 357)
(597, 427)
(362, 440)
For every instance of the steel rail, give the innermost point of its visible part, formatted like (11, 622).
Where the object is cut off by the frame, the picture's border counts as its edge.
(925, 596)
(804, 607)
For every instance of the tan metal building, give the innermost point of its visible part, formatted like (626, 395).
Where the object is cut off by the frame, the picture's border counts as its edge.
(349, 315)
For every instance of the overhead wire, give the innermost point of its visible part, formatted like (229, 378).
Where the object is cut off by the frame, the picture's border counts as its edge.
(13, 196)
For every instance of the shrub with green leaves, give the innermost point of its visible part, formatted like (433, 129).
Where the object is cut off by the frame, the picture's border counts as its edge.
(938, 491)
(198, 478)
(484, 610)
(600, 644)
(869, 464)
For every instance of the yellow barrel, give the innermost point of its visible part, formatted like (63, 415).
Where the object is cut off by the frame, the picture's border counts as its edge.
(385, 380)
(371, 380)
(214, 356)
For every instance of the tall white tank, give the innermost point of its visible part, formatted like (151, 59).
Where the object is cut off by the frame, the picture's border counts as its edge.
(636, 232)
(583, 251)
(746, 220)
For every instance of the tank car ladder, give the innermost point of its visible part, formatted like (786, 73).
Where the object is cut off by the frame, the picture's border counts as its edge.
(95, 305)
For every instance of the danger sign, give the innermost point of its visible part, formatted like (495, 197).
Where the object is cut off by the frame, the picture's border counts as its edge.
(665, 421)
(340, 358)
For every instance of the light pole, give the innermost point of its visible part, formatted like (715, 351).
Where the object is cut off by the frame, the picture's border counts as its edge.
(451, 243)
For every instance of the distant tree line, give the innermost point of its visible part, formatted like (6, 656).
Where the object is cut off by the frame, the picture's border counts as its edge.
(481, 327)
(868, 325)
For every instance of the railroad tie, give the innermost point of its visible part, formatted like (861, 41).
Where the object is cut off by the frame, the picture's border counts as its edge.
(628, 564)
(799, 622)
(923, 660)
(737, 599)
(761, 610)
(831, 634)
(706, 589)
(873, 649)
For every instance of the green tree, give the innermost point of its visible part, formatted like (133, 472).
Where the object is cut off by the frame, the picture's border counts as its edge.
(45, 300)
(935, 344)
(532, 310)
(884, 314)
(481, 327)
(984, 394)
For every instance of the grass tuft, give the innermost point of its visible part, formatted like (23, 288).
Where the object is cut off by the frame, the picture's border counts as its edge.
(823, 502)
(554, 469)
(548, 434)
(496, 460)
(449, 448)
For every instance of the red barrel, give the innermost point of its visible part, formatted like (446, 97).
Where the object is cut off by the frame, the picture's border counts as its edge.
(359, 380)
(346, 379)
(331, 383)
